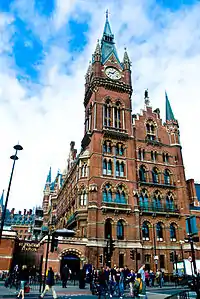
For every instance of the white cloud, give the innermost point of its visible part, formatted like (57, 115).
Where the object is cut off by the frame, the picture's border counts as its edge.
(46, 122)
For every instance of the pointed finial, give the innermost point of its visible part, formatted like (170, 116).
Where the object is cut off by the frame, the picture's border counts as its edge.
(107, 15)
(146, 97)
(126, 59)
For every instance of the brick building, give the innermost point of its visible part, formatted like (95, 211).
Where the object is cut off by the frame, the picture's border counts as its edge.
(128, 181)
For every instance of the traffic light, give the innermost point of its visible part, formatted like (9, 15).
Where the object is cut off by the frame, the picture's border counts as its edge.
(54, 243)
(101, 259)
(172, 257)
(132, 254)
(112, 246)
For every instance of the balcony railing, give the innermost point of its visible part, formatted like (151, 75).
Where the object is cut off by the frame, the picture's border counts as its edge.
(158, 182)
(115, 206)
(158, 209)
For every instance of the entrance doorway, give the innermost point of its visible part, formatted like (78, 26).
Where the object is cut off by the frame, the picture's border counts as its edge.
(73, 263)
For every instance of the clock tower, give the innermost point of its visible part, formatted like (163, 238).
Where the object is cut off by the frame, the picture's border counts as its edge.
(109, 143)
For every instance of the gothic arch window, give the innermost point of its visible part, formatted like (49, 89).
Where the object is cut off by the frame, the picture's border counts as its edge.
(145, 231)
(170, 201)
(107, 193)
(141, 154)
(119, 150)
(107, 167)
(107, 147)
(153, 156)
(151, 130)
(107, 114)
(143, 200)
(117, 116)
(120, 195)
(108, 229)
(122, 169)
(84, 170)
(167, 175)
(157, 206)
(120, 230)
(155, 175)
(83, 198)
(159, 231)
(142, 173)
(172, 229)
(165, 157)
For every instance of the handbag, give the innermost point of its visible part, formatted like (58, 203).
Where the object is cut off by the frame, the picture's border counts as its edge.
(27, 289)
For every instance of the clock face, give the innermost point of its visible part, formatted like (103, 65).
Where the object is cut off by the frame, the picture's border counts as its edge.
(112, 73)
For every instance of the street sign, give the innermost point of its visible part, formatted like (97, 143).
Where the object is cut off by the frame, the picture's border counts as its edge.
(190, 259)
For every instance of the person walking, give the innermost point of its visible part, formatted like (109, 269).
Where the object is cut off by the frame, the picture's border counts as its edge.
(49, 284)
(65, 276)
(24, 279)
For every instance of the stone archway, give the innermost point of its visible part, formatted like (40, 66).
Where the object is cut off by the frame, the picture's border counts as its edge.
(73, 258)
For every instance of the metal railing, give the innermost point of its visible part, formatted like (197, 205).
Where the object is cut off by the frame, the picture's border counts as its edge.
(157, 209)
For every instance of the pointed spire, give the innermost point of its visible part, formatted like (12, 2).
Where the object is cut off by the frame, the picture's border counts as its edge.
(146, 98)
(49, 176)
(1, 199)
(126, 60)
(89, 69)
(107, 30)
(169, 112)
(98, 48)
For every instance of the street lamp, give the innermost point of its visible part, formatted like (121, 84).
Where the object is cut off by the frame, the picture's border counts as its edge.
(181, 244)
(14, 158)
(57, 233)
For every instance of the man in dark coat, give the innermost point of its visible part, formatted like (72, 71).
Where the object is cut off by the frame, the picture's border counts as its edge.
(65, 276)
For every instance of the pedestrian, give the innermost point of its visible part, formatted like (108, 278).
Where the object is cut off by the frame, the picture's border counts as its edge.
(141, 271)
(139, 287)
(49, 284)
(24, 279)
(64, 276)
(131, 280)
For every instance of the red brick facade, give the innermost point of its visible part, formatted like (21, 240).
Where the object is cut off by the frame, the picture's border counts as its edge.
(130, 171)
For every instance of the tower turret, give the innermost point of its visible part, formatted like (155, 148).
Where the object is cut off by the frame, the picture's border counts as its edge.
(171, 124)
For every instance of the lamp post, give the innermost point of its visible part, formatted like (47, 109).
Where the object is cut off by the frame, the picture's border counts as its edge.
(58, 233)
(14, 158)
(181, 244)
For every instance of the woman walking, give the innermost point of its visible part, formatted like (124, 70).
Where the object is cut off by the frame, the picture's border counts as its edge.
(24, 279)
(49, 284)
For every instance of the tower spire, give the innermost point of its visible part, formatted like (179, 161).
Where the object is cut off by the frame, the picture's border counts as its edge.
(1, 199)
(146, 98)
(169, 112)
(49, 176)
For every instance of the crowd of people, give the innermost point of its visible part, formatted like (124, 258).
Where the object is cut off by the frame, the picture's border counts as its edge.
(114, 281)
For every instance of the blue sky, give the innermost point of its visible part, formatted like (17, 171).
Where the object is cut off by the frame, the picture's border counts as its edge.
(45, 48)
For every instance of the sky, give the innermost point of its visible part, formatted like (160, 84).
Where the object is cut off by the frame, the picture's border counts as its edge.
(45, 48)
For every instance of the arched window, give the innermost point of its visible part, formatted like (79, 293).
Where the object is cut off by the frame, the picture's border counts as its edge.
(119, 150)
(107, 147)
(145, 231)
(120, 230)
(107, 167)
(117, 168)
(144, 201)
(142, 173)
(83, 198)
(157, 206)
(107, 114)
(169, 202)
(172, 232)
(120, 195)
(165, 157)
(151, 130)
(155, 175)
(84, 170)
(159, 231)
(117, 116)
(109, 171)
(122, 169)
(104, 166)
(108, 229)
(153, 156)
(140, 154)
(107, 193)
(167, 177)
